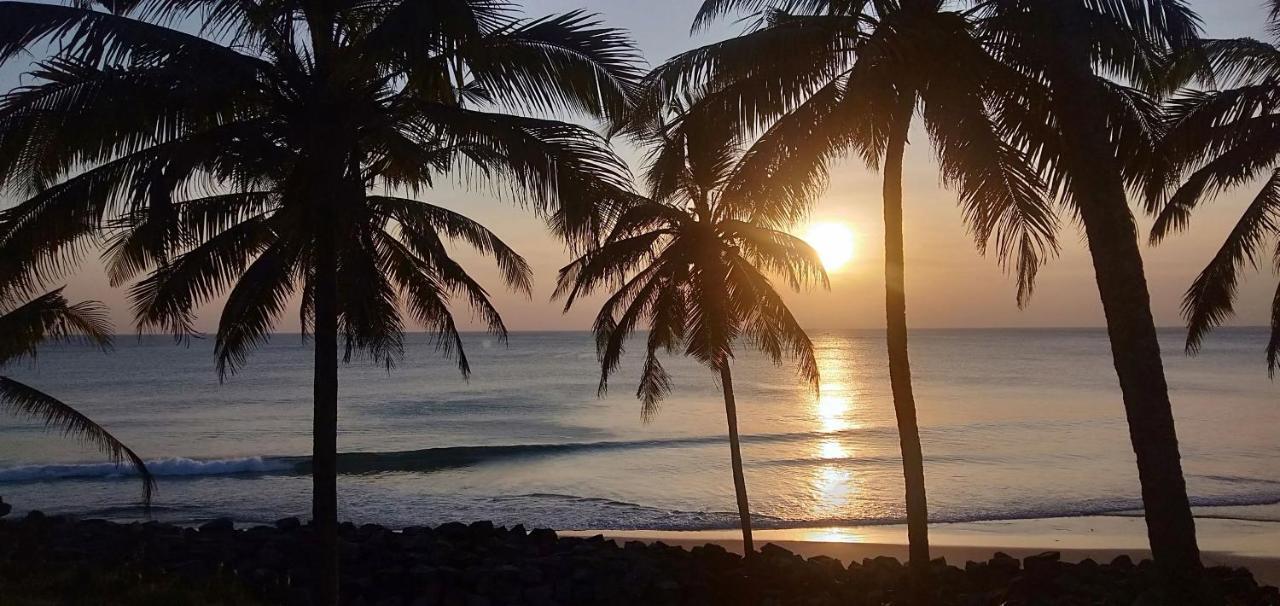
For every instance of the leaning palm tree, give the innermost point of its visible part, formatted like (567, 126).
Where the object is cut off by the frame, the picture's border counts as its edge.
(24, 325)
(1216, 139)
(690, 262)
(278, 155)
(852, 77)
(1092, 137)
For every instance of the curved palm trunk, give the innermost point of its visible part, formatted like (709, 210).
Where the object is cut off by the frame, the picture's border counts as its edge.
(735, 455)
(1099, 192)
(904, 404)
(324, 474)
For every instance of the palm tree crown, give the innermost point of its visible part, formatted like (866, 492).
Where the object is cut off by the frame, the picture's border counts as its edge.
(691, 260)
(209, 172)
(1223, 137)
(278, 153)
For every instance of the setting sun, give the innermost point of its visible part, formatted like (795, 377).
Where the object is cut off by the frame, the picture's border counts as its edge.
(834, 243)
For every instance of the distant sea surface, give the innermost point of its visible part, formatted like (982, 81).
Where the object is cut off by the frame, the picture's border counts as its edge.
(1015, 423)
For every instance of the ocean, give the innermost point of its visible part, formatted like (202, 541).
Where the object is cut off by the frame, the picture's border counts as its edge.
(1016, 424)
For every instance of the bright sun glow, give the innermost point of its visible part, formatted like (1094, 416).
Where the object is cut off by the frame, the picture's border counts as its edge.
(834, 243)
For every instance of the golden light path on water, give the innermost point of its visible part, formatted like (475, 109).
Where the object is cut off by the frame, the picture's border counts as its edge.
(834, 486)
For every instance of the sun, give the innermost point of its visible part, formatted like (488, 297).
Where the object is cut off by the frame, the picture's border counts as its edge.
(834, 243)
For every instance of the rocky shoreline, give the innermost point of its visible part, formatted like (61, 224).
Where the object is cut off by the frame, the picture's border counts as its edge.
(481, 565)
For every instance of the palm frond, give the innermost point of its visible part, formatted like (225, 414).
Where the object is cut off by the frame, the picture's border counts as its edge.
(169, 296)
(561, 63)
(423, 217)
(1211, 298)
(50, 317)
(255, 303)
(23, 400)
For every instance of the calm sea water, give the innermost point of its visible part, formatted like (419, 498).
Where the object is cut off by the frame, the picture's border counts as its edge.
(1016, 424)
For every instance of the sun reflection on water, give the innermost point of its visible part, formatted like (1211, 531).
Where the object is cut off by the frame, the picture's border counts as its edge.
(833, 485)
(832, 449)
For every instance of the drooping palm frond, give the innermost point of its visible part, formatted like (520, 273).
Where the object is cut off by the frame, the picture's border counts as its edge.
(50, 317)
(566, 62)
(23, 400)
(1216, 140)
(727, 77)
(1210, 299)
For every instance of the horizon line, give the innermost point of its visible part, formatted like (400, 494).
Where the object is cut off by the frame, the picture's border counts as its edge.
(202, 334)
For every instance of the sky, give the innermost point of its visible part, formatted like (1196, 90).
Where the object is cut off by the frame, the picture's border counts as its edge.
(949, 285)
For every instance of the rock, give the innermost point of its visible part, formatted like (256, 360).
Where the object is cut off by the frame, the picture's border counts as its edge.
(5, 508)
(1004, 564)
(773, 551)
(542, 535)
(454, 531)
(539, 595)
(471, 565)
(218, 525)
(828, 565)
(288, 524)
(271, 558)
(1041, 563)
(481, 529)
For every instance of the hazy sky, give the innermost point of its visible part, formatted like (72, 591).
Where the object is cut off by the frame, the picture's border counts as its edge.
(949, 284)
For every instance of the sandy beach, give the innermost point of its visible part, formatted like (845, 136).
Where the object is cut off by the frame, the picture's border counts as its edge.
(1224, 542)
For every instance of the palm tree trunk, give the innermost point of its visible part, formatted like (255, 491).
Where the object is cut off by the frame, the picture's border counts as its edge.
(1099, 192)
(904, 404)
(735, 456)
(324, 474)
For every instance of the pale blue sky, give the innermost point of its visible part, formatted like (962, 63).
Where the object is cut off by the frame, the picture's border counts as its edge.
(949, 284)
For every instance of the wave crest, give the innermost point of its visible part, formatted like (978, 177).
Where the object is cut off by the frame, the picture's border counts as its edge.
(169, 467)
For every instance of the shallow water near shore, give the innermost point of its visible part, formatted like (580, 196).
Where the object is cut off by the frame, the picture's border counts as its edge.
(1016, 424)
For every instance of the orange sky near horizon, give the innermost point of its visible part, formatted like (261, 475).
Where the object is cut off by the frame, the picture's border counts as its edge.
(949, 284)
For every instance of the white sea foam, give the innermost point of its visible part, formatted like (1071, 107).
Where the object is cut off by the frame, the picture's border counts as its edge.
(170, 467)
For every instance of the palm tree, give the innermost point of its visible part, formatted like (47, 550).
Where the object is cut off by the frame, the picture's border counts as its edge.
(852, 76)
(24, 325)
(1066, 117)
(690, 261)
(279, 153)
(1219, 139)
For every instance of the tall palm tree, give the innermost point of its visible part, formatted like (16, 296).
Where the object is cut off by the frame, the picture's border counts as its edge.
(1065, 116)
(691, 262)
(279, 153)
(852, 76)
(24, 325)
(1217, 139)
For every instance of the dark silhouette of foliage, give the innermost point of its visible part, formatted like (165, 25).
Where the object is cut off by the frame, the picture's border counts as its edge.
(1222, 136)
(24, 326)
(277, 153)
(850, 77)
(1093, 139)
(691, 261)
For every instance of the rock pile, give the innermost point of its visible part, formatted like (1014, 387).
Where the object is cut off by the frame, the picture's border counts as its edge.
(481, 565)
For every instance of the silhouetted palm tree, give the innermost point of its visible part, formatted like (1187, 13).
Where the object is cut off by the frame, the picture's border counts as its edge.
(1091, 139)
(690, 262)
(246, 159)
(852, 76)
(1218, 139)
(24, 325)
